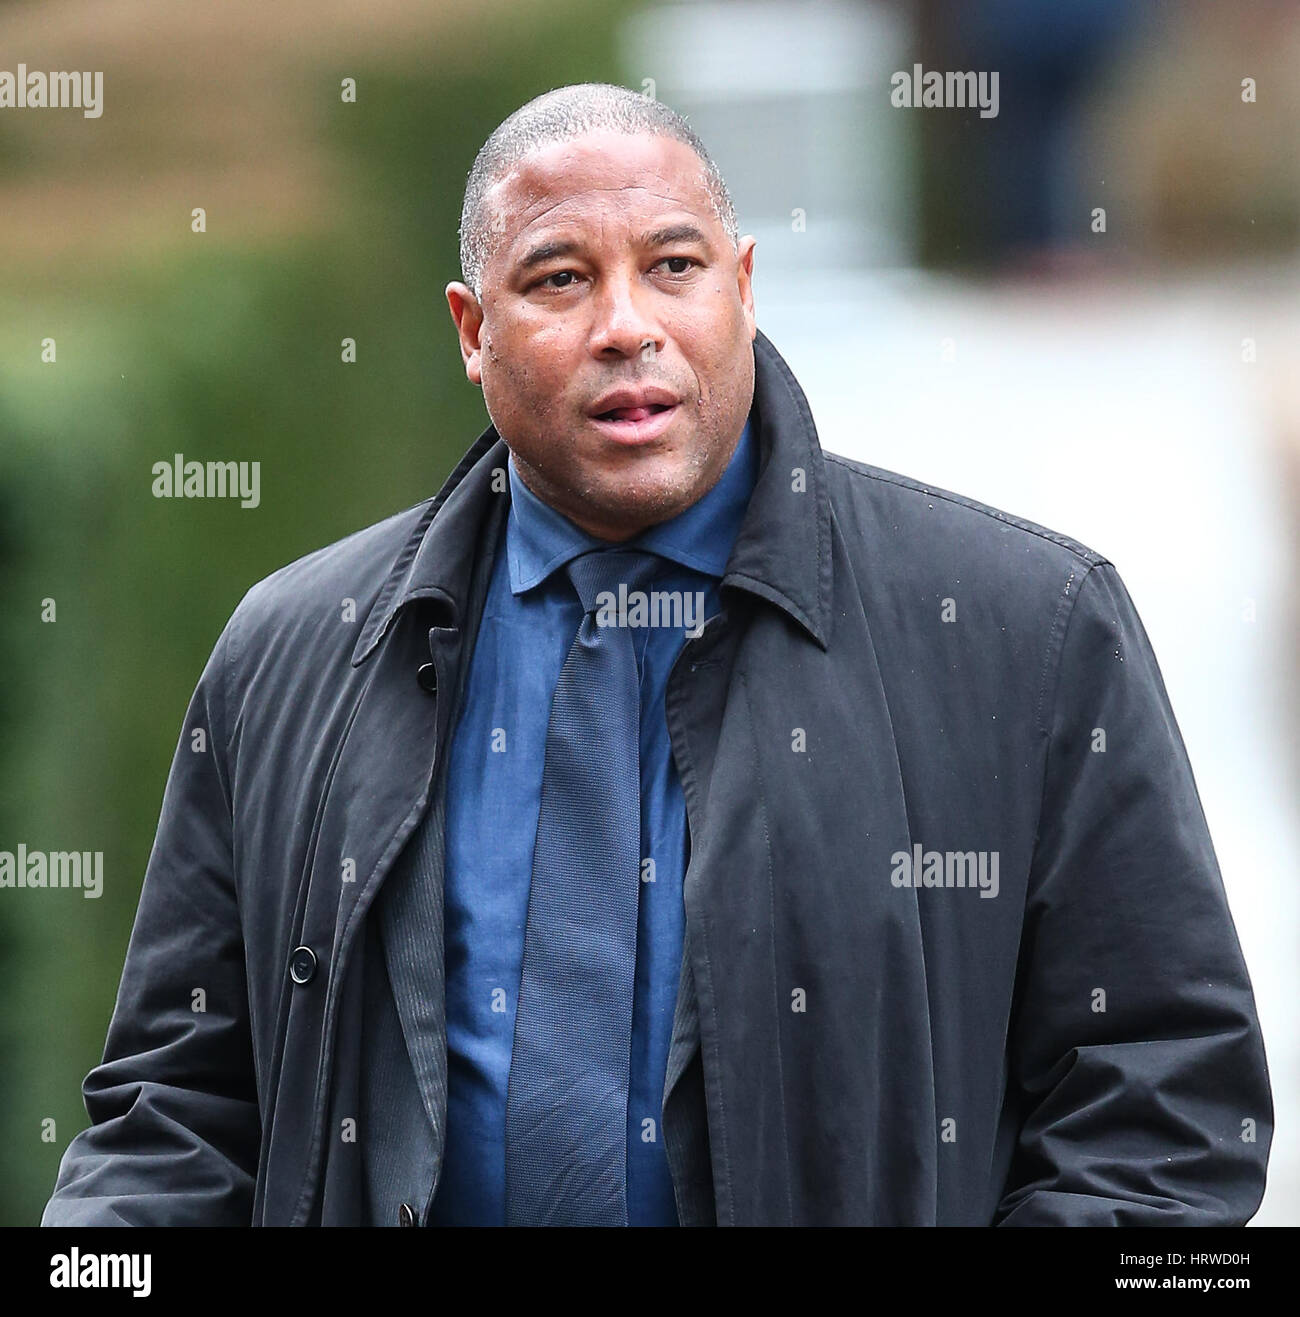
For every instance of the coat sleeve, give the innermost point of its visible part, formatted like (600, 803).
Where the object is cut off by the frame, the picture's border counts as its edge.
(1135, 1057)
(175, 1129)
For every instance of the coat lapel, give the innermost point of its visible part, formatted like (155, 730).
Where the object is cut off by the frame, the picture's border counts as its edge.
(781, 556)
(410, 907)
(381, 785)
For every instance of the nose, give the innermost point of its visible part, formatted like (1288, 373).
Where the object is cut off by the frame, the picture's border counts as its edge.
(624, 325)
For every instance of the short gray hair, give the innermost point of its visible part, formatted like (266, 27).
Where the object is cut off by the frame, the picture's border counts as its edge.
(556, 116)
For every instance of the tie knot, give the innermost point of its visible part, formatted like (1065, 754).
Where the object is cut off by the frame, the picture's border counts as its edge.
(604, 571)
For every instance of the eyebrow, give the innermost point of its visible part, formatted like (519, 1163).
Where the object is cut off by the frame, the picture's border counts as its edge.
(674, 233)
(663, 237)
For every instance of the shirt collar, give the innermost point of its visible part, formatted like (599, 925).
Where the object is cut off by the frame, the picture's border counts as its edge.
(539, 539)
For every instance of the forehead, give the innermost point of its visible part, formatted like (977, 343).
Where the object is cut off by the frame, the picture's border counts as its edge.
(599, 175)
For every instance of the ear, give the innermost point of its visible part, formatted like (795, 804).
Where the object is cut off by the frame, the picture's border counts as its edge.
(745, 280)
(467, 315)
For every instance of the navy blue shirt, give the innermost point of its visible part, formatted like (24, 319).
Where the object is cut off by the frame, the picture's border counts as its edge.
(530, 618)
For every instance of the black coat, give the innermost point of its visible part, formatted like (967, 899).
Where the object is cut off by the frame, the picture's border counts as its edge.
(897, 671)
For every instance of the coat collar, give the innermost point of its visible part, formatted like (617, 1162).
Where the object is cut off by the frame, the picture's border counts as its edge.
(782, 553)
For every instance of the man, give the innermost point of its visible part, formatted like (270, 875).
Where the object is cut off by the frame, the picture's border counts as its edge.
(694, 827)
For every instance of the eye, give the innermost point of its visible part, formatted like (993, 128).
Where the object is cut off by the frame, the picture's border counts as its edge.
(685, 260)
(559, 274)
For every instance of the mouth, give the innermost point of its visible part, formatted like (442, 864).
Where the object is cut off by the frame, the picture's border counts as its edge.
(635, 425)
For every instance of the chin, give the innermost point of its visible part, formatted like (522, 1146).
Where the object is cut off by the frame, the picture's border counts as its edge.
(648, 508)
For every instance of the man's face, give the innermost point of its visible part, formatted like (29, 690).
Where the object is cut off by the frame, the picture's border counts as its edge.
(611, 274)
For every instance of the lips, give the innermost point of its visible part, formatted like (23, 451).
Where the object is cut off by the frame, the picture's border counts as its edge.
(634, 425)
(631, 413)
(632, 403)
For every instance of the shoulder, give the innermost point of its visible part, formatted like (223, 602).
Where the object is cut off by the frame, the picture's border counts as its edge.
(913, 530)
(337, 582)
(1015, 589)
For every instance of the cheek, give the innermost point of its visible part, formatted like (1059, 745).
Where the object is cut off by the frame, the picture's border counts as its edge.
(530, 358)
(527, 390)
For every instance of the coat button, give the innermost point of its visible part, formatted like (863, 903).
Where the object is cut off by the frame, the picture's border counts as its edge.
(406, 1215)
(302, 965)
(428, 678)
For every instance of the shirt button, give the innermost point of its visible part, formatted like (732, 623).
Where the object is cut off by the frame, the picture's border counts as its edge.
(302, 965)
(406, 1215)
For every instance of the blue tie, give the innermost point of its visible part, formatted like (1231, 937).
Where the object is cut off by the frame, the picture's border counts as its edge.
(566, 1107)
